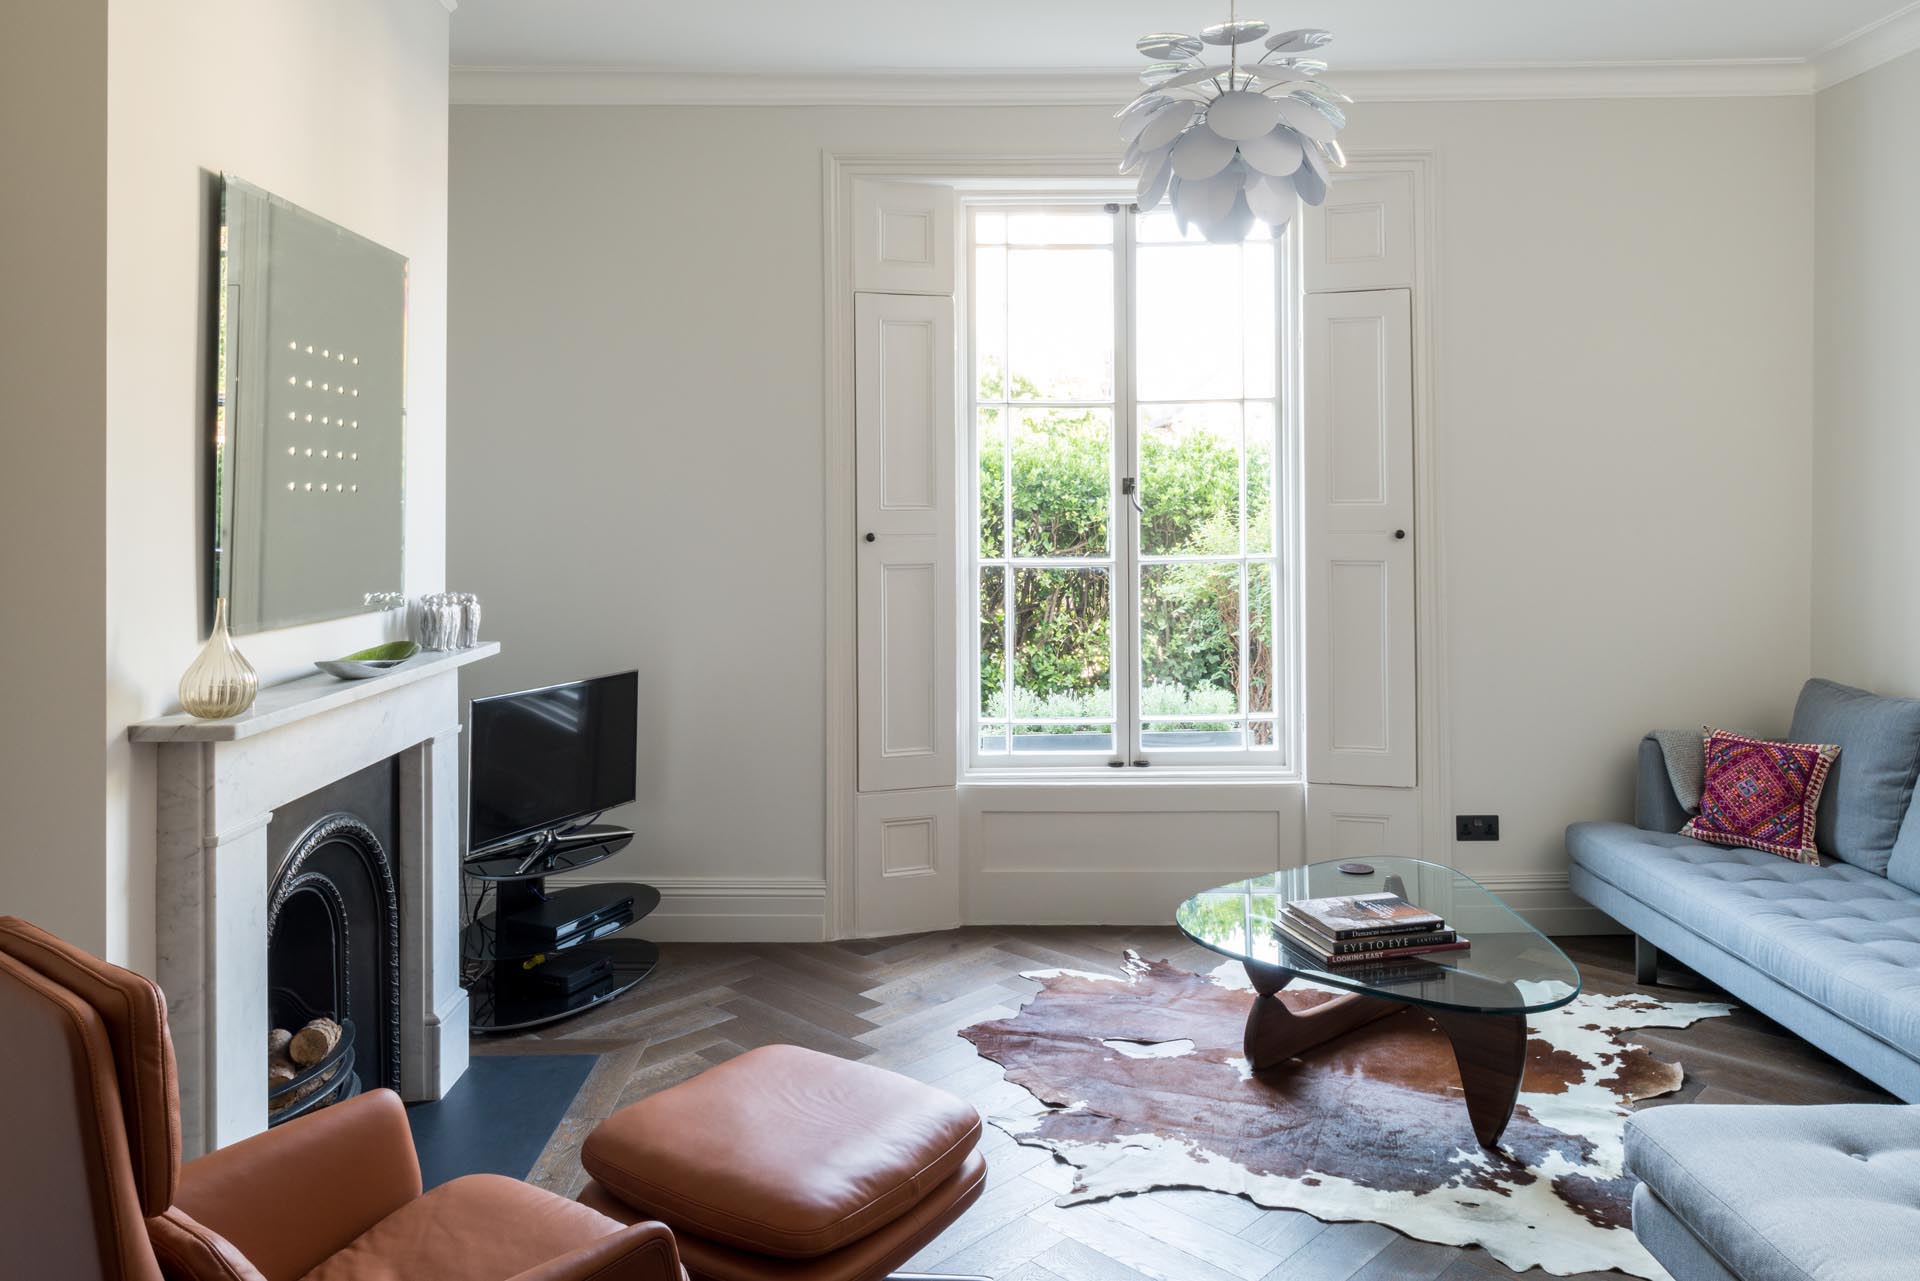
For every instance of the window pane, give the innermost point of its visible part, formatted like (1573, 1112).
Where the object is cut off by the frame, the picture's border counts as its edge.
(1260, 478)
(1190, 345)
(1190, 480)
(1261, 734)
(1190, 641)
(1091, 227)
(1060, 323)
(1159, 227)
(1191, 734)
(1260, 318)
(1062, 481)
(990, 431)
(1260, 637)
(1062, 644)
(1063, 738)
(993, 643)
(989, 229)
(990, 323)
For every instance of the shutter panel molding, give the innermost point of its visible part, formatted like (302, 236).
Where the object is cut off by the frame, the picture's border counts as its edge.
(1359, 553)
(903, 410)
(903, 237)
(1362, 237)
(907, 862)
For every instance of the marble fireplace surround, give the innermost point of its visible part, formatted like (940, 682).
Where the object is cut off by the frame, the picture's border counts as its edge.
(219, 782)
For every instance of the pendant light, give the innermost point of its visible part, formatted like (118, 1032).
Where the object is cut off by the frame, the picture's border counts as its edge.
(1230, 143)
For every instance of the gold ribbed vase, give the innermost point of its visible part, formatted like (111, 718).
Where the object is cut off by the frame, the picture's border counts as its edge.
(220, 682)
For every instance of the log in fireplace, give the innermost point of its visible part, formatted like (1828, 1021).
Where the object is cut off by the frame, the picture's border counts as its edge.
(333, 945)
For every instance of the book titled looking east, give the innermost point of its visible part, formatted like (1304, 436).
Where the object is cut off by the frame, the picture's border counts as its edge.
(1353, 916)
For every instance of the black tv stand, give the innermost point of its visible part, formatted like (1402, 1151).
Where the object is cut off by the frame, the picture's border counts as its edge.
(531, 929)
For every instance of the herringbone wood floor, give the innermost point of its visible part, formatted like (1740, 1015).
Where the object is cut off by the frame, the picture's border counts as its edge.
(898, 1003)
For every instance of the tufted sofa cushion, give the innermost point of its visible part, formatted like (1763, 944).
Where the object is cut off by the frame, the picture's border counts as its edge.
(1839, 935)
(1848, 1211)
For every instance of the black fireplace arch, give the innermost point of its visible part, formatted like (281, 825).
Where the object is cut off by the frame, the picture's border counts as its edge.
(333, 940)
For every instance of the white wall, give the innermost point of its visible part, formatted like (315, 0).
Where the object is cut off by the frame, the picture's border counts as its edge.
(1866, 473)
(341, 108)
(339, 105)
(53, 303)
(1624, 387)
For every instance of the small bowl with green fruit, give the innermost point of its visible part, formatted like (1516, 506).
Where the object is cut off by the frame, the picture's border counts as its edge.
(377, 661)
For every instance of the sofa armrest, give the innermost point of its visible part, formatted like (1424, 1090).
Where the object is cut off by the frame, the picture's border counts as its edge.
(1655, 807)
(642, 1252)
(259, 1193)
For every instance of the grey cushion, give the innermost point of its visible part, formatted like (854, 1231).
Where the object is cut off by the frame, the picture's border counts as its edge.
(1840, 936)
(1655, 806)
(1789, 1193)
(1871, 785)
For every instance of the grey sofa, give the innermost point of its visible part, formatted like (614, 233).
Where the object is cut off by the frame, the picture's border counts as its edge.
(1735, 1193)
(1831, 952)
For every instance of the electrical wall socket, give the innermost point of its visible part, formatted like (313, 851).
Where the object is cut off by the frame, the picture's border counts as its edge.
(1476, 827)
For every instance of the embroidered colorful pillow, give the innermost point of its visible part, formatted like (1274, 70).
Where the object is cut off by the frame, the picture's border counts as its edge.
(1762, 796)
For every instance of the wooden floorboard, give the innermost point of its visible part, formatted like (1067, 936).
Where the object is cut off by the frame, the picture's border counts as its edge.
(899, 1002)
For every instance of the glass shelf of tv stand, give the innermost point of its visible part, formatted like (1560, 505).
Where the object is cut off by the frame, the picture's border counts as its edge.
(577, 850)
(493, 1008)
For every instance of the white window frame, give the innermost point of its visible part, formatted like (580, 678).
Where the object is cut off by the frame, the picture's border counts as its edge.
(1125, 764)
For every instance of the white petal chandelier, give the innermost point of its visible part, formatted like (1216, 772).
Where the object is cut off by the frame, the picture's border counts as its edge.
(1226, 144)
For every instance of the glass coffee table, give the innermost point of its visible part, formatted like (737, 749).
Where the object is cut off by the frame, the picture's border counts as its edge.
(1480, 997)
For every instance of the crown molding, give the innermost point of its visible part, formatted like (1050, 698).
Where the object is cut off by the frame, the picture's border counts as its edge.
(1728, 78)
(1879, 42)
(633, 86)
(1893, 36)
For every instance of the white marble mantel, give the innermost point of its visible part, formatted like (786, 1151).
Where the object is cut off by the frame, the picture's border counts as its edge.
(295, 700)
(219, 782)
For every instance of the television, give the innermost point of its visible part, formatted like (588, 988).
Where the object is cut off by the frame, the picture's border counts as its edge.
(546, 759)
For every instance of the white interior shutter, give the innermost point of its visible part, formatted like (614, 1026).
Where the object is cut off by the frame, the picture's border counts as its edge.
(1358, 417)
(903, 237)
(906, 814)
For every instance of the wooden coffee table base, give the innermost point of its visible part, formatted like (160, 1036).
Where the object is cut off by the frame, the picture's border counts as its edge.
(1489, 1049)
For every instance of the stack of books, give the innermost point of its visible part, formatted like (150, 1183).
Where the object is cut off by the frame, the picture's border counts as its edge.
(1355, 929)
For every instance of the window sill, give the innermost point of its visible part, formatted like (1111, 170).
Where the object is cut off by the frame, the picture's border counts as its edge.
(1152, 776)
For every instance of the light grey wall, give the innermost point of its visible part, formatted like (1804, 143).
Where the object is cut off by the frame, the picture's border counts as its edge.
(1625, 381)
(1866, 476)
(1624, 386)
(53, 527)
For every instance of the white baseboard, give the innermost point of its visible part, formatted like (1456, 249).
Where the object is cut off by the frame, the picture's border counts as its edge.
(1548, 905)
(726, 909)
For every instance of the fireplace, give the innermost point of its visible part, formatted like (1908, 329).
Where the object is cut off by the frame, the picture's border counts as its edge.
(334, 943)
(309, 853)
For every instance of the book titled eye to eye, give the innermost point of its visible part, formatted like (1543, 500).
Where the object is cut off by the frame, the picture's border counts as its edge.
(1305, 933)
(1352, 916)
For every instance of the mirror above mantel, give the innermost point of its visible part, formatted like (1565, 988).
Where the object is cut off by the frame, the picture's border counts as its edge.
(310, 425)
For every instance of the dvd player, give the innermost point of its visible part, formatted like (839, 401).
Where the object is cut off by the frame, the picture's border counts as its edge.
(572, 915)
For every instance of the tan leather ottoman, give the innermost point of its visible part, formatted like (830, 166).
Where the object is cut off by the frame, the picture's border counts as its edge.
(788, 1165)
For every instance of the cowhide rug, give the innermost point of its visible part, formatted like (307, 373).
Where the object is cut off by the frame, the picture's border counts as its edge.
(1139, 1083)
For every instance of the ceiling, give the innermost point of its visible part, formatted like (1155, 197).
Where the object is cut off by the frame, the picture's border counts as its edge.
(855, 36)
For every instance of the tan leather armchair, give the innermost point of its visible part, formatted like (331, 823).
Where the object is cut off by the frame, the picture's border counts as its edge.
(92, 1187)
